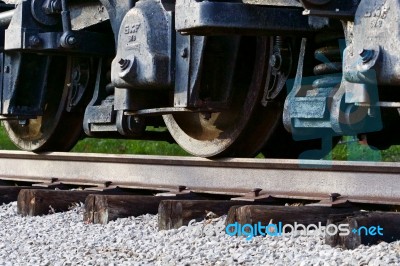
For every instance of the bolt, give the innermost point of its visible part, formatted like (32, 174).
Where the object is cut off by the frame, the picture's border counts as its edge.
(184, 53)
(366, 55)
(56, 6)
(34, 41)
(7, 69)
(256, 191)
(272, 61)
(124, 63)
(75, 74)
(275, 61)
(334, 196)
(71, 40)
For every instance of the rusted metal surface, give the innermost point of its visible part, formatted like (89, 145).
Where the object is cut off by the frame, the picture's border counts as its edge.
(369, 182)
(86, 14)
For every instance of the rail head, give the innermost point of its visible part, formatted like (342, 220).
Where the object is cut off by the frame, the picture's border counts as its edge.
(250, 163)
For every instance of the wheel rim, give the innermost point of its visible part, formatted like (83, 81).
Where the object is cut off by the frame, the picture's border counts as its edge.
(244, 127)
(56, 129)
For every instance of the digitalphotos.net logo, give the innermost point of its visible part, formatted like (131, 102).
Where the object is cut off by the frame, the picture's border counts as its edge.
(271, 229)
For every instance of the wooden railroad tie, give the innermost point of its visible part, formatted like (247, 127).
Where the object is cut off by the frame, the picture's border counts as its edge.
(32, 202)
(10, 193)
(358, 227)
(105, 208)
(366, 228)
(173, 214)
(306, 215)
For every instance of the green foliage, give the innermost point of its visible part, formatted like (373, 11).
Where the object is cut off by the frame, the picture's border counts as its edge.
(120, 146)
(5, 143)
(351, 150)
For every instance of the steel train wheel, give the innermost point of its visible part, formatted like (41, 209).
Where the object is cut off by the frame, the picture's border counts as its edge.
(56, 129)
(243, 128)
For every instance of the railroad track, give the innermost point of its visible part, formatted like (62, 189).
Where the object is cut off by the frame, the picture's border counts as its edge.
(325, 181)
(181, 189)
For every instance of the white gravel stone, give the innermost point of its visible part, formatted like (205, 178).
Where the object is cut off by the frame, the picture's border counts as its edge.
(64, 239)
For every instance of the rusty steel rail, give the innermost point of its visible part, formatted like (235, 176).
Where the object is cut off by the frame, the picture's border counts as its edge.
(369, 182)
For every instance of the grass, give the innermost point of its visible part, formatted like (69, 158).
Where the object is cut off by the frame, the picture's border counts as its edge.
(348, 149)
(351, 150)
(5, 143)
(118, 146)
(129, 147)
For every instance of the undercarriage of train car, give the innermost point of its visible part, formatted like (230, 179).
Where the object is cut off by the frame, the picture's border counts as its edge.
(226, 78)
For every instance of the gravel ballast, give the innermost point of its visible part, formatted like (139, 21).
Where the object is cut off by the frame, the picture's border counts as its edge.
(64, 239)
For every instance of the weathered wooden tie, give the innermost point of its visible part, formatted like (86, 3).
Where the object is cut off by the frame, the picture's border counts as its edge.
(105, 208)
(32, 202)
(366, 228)
(10, 193)
(306, 215)
(173, 214)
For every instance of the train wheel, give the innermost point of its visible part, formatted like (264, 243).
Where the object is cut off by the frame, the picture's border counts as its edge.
(243, 128)
(56, 129)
